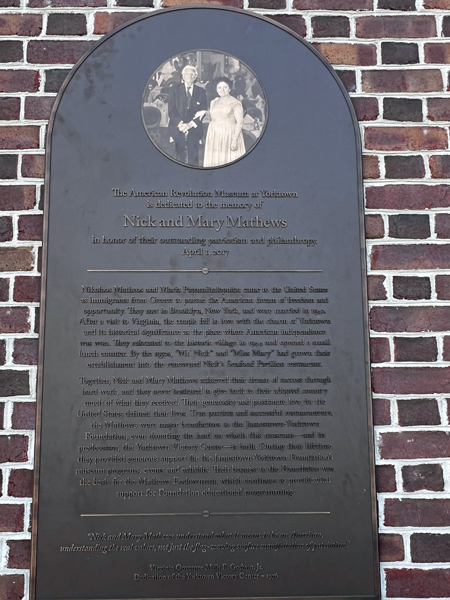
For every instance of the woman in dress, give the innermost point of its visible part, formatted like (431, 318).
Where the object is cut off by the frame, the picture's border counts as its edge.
(224, 140)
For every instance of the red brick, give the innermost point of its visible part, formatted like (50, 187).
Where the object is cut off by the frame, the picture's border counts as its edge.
(423, 477)
(438, 109)
(418, 411)
(417, 583)
(14, 319)
(415, 349)
(14, 383)
(30, 227)
(16, 259)
(17, 197)
(19, 138)
(447, 350)
(409, 319)
(11, 586)
(414, 444)
(8, 166)
(19, 556)
(9, 109)
(294, 22)
(11, 519)
(25, 351)
(4, 289)
(379, 350)
(403, 109)
(11, 51)
(421, 256)
(439, 4)
(374, 226)
(391, 547)
(20, 484)
(106, 22)
(33, 165)
(404, 167)
(405, 138)
(27, 289)
(437, 53)
(13, 448)
(375, 287)
(381, 411)
(61, 52)
(371, 168)
(396, 27)
(330, 26)
(6, 229)
(417, 512)
(429, 547)
(348, 54)
(442, 226)
(333, 4)
(412, 288)
(443, 286)
(65, 3)
(66, 24)
(24, 415)
(348, 79)
(20, 24)
(38, 107)
(408, 197)
(399, 53)
(402, 80)
(410, 380)
(2, 362)
(409, 226)
(233, 3)
(23, 80)
(440, 166)
(366, 109)
(385, 478)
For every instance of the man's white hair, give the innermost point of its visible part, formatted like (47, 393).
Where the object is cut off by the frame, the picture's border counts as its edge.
(191, 67)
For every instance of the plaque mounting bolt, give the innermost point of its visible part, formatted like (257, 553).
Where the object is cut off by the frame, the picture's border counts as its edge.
(205, 270)
(205, 512)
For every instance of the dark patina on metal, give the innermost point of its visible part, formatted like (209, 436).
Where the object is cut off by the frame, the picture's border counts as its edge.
(204, 423)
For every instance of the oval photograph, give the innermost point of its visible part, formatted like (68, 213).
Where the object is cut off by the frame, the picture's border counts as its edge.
(204, 109)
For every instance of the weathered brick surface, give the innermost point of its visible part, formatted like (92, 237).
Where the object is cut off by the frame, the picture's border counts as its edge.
(13, 320)
(402, 109)
(417, 512)
(325, 26)
(418, 583)
(414, 444)
(423, 477)
(418, 411)
(398, 53)
(19, 80)
(25, 351)
(20, 24)
(24, 415)
(376, 287)
(20, 483)
(391, 547)
(408, 380)
(385, 478)
(33, 165)
(19, 556)
(408, 197)
(415, 349)
(440, 167)
(409, 318)
(19, 138)
(66, 24)
(406, 138)
(106, 22)
(13, 448)
(30, 227)
(11, 586)
(366, 109)
(425, 256)
(412, 288)
(405, 81)
(6, 229)
(16, 259)
(9, 110)
(17, 197)
(51, 52)
(381, 412)
(404, 167)
(409, 226)
(396, 27)
(348, 54)
(38, 107)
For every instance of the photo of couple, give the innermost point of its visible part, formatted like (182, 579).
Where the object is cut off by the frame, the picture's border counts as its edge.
(204, 109)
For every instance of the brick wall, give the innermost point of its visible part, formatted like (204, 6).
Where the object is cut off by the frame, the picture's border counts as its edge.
(393, 57)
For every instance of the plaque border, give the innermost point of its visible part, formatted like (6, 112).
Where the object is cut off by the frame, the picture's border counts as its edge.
(364, 296)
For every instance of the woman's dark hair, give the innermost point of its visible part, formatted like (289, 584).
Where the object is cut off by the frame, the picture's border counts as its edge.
(225, 79)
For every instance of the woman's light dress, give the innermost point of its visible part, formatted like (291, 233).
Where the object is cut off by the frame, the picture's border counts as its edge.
(225, 115)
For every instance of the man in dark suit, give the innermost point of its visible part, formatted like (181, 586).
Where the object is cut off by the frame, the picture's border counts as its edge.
(185, 101)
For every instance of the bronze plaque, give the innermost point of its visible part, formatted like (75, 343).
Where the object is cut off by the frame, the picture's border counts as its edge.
(204, 423)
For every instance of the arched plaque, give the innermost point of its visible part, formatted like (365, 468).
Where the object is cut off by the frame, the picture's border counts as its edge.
(204, 420)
